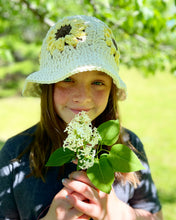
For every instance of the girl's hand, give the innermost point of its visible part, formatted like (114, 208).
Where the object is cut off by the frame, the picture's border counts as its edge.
(62, 209)
(95, 203)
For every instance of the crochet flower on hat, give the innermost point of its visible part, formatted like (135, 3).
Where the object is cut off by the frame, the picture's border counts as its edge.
(66, 33)
(112, 44)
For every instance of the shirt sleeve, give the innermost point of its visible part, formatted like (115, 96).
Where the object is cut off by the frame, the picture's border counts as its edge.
(145, 195)
(8, 209)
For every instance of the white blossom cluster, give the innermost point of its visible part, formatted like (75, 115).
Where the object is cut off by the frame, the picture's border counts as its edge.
(82, 139)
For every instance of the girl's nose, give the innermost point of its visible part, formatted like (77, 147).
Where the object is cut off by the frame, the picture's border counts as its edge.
(82, 94)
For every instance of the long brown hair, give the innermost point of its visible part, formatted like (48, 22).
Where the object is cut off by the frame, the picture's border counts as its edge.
(49, 134)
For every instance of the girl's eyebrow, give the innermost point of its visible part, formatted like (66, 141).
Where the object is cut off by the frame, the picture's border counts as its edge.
(102, 74)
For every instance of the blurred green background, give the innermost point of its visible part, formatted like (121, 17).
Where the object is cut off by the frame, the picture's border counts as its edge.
(145, 32)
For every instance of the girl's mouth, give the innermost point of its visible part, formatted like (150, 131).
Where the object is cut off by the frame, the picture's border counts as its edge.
(77, 111)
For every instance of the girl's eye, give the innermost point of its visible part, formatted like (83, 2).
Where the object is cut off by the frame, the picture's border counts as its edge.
(68, 79)
(98, 83)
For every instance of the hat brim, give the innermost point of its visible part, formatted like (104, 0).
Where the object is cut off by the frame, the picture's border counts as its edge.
(32, 88)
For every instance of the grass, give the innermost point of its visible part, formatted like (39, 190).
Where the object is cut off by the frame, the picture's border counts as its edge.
(149, 111)
(17, 114)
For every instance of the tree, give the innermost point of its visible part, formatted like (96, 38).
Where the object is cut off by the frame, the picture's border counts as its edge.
(144, 29)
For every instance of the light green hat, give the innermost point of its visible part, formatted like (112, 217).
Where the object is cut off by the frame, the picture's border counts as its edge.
(76, 44)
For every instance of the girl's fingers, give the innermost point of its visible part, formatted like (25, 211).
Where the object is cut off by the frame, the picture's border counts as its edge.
(60, 198)
(81, 188)
(78, 196)
(63, 193)
(81, 198)
(81, 176)
(84, 197)
(73, 214)
(84, 217)
(89, 209)
(62, 207)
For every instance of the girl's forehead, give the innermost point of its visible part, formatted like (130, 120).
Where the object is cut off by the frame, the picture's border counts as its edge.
(92, 73)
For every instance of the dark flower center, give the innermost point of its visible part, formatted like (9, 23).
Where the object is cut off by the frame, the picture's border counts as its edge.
(63, 31)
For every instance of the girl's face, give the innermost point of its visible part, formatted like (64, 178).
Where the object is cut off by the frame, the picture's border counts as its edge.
(86, 91)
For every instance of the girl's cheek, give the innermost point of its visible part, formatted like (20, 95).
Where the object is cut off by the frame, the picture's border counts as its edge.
(61, 95)
(101, 97)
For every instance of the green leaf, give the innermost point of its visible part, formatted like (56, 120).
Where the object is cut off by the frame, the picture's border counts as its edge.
(101, 174)
(123, 159)
(109, 132)
(60, 157)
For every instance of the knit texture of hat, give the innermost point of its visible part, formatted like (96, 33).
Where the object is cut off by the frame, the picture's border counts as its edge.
(76, 44)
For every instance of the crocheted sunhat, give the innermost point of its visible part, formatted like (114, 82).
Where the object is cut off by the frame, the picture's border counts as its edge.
(76, 44)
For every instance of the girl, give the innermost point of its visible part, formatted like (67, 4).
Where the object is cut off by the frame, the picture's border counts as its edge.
(78, 72)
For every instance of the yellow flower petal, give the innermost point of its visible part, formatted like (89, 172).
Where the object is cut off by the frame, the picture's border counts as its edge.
(117, 55)
(109, 42)
(73, 42)
(74, 31)
(51, 47)
(60, 44)
(109, 30)
(113, 50)
(68, 38)
(52, 32)
(107, 35)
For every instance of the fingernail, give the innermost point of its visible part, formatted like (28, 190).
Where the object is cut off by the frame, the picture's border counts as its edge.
(64, 180)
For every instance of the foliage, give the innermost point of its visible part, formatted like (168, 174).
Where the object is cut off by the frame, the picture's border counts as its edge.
(145, 30)
(101, 172)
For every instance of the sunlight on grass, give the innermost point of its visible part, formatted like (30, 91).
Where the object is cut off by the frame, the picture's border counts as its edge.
(150, 111)
(17, 114)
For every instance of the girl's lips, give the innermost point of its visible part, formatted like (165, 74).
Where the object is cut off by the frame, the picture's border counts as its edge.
(77, 111)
